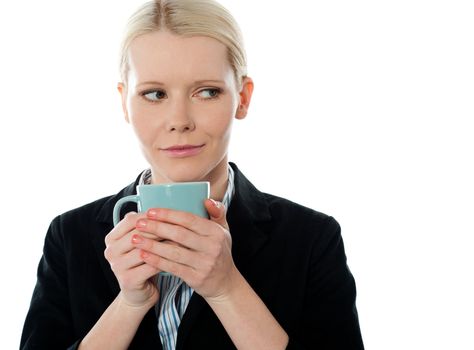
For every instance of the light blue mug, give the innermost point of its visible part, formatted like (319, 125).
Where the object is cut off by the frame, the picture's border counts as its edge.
(183, 196)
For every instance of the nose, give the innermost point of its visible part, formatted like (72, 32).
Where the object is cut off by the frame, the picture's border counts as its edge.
(179, 117)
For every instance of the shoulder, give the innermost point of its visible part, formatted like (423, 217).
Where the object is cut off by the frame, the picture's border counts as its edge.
(285, 209)
(282, 216)
(74, 226)
(303, 225)
(89, 210)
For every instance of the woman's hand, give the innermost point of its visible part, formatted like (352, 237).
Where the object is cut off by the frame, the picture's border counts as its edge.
(195, 249)
(134, 276)
(198, 251)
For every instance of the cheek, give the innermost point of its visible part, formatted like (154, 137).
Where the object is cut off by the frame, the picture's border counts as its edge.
(219, 123)
(218, 120)
(142, 124)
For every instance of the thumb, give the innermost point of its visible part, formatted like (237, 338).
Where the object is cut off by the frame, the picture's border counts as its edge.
(217, 212)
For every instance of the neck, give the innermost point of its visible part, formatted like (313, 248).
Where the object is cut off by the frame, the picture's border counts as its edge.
(219, 178)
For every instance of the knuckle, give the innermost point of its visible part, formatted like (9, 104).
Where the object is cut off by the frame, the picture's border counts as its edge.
(113, 266)
(211, 266)
(206, 270)
(107, 253)
(215, 250)
(149, 244)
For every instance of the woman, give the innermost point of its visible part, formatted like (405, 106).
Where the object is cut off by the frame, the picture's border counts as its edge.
(264, 274)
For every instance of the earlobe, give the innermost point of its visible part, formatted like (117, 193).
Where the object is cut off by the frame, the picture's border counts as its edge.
(241, 112)
(122, 89)
(245, 97)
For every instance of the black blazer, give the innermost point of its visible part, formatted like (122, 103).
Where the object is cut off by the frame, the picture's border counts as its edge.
(292, 256)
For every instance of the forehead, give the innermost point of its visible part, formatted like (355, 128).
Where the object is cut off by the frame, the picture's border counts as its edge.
(167, 57)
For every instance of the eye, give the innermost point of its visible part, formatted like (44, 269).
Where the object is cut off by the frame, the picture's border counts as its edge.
(154, 96)
(210, 93)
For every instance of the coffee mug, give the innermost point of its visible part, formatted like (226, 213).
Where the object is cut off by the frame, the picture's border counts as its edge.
(183, 196)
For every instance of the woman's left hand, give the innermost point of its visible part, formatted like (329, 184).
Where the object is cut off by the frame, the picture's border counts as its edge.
(196, 249)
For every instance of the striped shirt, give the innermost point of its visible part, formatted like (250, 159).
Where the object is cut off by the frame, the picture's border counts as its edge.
(175, 294)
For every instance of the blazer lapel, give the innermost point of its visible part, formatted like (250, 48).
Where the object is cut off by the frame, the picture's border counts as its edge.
(246, 217)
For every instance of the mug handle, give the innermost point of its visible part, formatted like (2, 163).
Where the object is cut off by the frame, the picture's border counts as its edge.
(120, 203)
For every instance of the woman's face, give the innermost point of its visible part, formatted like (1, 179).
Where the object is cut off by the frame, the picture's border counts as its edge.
(181, 99)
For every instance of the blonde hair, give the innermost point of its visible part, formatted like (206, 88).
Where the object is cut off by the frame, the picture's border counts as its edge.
(187, 18)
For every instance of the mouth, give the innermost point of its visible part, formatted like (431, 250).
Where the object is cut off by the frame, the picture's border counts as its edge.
(181, 151)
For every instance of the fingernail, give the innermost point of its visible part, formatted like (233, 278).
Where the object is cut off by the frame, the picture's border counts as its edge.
(141, 223)
(144, 254)
(137, 239)
(215, 203)
(152, 213)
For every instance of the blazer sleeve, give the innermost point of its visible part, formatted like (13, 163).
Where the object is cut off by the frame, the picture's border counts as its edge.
(48, 324)
(330, 318)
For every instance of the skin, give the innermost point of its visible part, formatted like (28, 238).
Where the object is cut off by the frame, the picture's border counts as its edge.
(177, 110)
(166, 106)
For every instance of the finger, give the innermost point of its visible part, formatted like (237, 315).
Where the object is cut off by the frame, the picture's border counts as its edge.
(188, 220)
(186, 273)
(124, 226)
(128, 261)
(169, 251)
(145, 271)
(116, 248)
(166, 231)
(130, 279)
(217, 212)
(121, 246)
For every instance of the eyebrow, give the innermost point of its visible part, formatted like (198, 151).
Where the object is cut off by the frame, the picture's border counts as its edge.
(197, 82)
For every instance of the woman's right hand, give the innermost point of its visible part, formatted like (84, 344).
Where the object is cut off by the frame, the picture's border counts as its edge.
(136, 279)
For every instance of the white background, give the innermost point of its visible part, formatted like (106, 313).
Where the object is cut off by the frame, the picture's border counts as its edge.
(362, 110)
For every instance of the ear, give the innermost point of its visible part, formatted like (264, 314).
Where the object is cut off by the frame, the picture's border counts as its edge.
(122, 89)
(245, 97)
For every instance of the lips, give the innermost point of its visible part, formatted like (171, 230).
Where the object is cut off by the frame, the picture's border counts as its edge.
(181, 151)
(181, 147)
